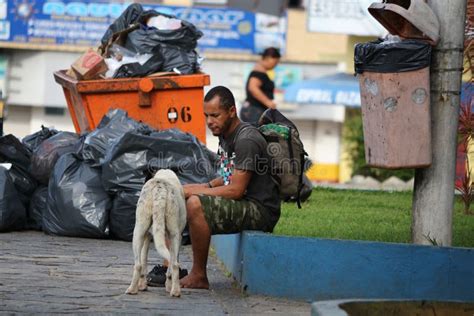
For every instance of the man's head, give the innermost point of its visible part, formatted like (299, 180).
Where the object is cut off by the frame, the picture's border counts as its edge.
(220, 111)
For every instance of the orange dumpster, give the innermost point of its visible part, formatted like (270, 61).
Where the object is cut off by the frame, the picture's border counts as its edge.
(161, 102)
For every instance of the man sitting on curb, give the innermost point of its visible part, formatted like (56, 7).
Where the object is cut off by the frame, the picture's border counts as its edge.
(245, 197)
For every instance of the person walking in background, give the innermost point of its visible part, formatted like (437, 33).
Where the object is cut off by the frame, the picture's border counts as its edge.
(259, 87)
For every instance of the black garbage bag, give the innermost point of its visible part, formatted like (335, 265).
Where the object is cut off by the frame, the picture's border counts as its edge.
(167, 58)
(122, 215)
(137, 70)
(123, 22)
(129, 161)
(177, 58)
(14, 152)
(176, 134)
(12, 211)
(377, 56)
(77, 204)
(145, 38)
(32, 141)
(112, 126)
(45, 156)
(170, 48)
(34, 216)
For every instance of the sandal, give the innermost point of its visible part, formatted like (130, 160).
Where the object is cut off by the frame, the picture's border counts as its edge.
(157, 276)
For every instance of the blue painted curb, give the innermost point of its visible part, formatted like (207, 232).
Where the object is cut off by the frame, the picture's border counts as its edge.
(389, 307)
(228, 249)
(322, 269)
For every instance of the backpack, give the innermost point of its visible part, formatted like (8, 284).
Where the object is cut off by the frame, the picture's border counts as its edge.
(286, 152)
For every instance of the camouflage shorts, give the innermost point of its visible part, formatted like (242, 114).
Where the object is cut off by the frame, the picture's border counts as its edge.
(225, 216)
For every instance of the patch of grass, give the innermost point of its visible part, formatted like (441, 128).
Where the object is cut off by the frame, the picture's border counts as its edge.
(363, 215)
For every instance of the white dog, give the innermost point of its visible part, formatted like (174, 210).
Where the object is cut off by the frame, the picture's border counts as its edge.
(161, 210)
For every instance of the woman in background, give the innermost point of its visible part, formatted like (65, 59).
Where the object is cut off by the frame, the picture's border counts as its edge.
(259, 87)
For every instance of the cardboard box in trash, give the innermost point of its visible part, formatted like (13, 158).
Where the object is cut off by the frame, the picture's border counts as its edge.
(89, 66)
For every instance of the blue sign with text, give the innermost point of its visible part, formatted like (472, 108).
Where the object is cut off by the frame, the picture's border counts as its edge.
(73, 23)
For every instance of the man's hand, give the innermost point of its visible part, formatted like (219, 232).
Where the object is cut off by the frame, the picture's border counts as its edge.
(194, 188)
(235, 190)
(191, 190)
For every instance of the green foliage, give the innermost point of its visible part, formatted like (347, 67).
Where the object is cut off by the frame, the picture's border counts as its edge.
(363, 215)
(353, 138)
(465, 185)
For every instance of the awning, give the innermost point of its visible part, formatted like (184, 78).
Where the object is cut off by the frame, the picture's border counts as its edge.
(337, 89)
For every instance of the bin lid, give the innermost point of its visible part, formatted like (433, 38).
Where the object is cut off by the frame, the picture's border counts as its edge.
(407, 18)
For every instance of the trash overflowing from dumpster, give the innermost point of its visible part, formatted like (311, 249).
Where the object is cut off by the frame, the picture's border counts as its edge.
(88, 185)
(141, 43)
(136, 103)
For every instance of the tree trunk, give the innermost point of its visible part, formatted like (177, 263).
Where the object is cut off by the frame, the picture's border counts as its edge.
(433, 196)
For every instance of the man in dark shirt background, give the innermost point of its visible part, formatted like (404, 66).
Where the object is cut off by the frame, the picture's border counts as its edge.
(244, 197)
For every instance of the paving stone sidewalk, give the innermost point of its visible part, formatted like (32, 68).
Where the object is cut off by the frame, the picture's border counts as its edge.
(41, 274)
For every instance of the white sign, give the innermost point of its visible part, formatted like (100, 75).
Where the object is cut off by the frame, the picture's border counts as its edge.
(343, 17)
(326, 96)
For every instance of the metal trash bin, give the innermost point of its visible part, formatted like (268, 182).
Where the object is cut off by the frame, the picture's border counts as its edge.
(162, 102)
(394, 81)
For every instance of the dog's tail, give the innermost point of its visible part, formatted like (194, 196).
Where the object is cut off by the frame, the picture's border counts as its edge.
(160, 206)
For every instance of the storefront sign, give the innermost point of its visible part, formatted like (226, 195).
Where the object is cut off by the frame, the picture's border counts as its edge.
(64, 24)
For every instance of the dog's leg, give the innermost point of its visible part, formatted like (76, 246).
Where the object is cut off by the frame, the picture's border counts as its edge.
(175, 240)
(158, 226)
(138, 241)
(142, 286)
(168, 271)
(142, 224)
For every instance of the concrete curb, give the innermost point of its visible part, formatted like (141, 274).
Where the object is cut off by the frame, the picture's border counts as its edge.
(389, 307)
(321, 269)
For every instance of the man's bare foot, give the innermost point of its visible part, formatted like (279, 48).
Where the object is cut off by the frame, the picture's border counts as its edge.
(194, 281)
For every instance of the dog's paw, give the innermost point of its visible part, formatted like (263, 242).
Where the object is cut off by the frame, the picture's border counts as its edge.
(142, 286)
(175, 292)
(131, 291)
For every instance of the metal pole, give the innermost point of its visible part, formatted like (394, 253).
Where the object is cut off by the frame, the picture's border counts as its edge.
(433, 196)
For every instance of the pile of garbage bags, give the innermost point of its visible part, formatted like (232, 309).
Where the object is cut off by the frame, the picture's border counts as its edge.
(89, 185)
(140, 43)
(168, 42)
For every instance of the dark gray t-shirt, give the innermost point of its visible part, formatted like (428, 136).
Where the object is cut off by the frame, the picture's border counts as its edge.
(246, 149)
